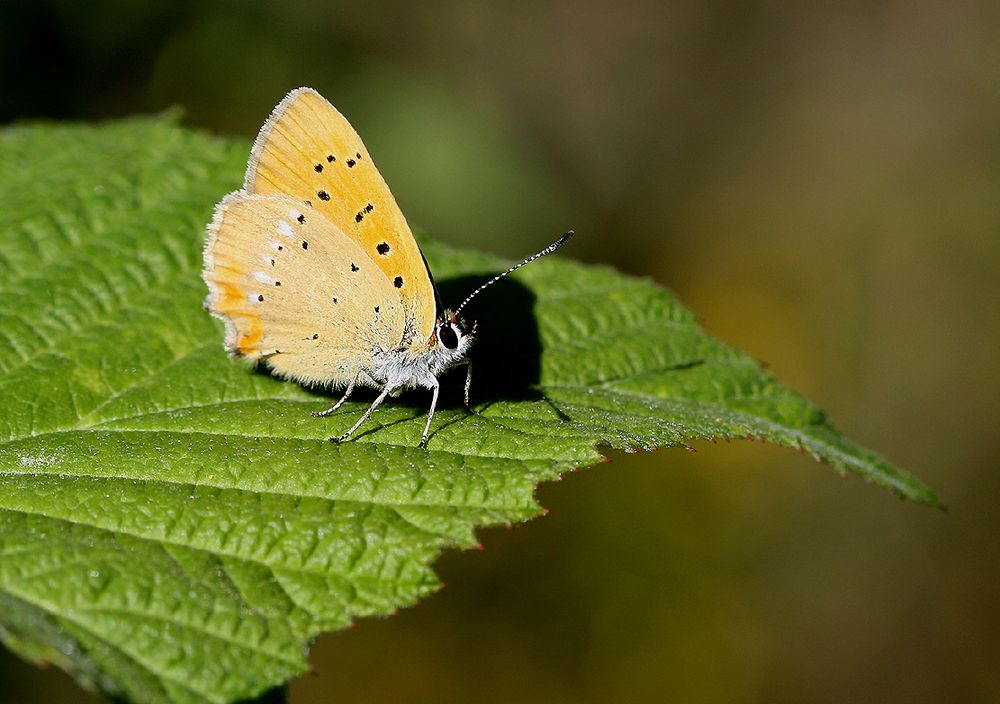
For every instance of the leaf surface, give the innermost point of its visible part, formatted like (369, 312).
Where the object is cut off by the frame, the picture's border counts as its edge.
(174, 526)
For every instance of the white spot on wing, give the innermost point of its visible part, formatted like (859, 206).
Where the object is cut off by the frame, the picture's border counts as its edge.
(253, 297)
(285, 229)
(275, 245)
(262, 277)
(294, 214)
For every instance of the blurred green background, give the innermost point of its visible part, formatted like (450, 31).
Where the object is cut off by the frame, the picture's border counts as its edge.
(818, 181)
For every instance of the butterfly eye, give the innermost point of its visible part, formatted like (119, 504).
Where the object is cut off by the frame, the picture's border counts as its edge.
(448, 337)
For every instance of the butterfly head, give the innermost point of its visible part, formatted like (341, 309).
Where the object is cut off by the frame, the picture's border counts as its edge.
(453, 333)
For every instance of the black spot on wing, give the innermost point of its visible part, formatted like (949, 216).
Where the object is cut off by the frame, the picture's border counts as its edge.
(398, 282)
(323, 195)
(305, 245)
(354, 267)
(361, 213)
(330, 158)
(350, 163)
(382, 248)
(319, 168)
(301, 218)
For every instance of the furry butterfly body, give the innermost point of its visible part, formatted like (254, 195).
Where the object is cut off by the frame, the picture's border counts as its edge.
(313, 269)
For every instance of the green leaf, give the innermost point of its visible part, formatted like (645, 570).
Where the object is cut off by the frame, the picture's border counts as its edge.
(174, 526)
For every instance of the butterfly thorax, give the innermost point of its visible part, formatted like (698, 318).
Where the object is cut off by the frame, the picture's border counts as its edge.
(413, 367)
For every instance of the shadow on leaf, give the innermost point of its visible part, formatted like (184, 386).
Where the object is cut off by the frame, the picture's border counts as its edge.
(506, 355)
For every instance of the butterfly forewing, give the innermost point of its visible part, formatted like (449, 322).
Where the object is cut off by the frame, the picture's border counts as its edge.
(308, 150)
(294, 289)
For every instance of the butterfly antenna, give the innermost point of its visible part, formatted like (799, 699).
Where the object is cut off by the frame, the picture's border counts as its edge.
(548, 250)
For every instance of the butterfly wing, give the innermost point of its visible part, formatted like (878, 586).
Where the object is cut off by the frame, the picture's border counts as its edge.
(291, 287)
(309, 151)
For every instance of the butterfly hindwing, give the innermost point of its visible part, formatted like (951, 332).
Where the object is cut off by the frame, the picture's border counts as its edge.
(294, 289)
(309, 151)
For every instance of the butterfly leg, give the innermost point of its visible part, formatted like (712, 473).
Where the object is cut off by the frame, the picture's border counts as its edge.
(371, 409)
(468, 385)
(338, 404)
(430, 414)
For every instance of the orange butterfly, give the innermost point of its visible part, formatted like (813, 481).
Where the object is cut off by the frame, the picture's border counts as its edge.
(312, 267)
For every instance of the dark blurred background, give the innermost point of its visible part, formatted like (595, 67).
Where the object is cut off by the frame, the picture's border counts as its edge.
(818, 181)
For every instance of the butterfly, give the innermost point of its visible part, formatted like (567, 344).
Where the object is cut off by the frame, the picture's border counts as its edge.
(313, 269)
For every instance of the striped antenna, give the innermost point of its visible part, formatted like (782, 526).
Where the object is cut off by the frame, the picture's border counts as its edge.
(548, 250)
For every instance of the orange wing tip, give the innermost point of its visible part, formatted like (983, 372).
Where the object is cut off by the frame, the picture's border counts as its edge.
(267, 128)
(249, 344)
